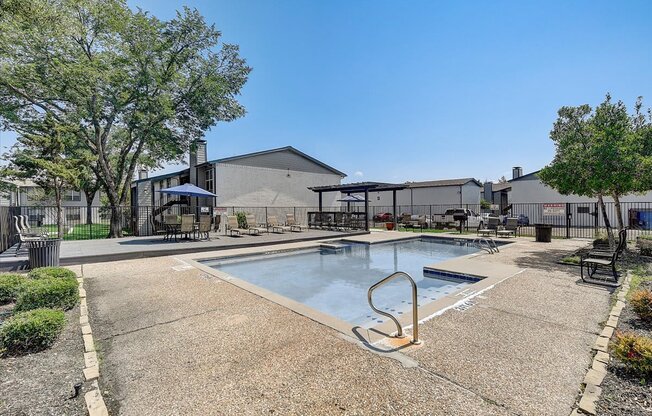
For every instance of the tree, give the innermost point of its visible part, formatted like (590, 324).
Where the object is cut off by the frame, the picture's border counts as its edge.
(502, 179)
(606, 152)
(40, 155)
(138, 90)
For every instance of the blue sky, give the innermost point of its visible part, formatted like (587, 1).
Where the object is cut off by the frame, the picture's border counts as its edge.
(422, 90)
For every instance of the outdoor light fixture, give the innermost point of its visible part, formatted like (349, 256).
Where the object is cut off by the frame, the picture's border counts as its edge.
(288, 175)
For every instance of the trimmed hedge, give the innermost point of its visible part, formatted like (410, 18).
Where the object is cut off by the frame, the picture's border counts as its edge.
(10, 284)
(633, 350)
(52, 292)
(56, 272)
(31, 331)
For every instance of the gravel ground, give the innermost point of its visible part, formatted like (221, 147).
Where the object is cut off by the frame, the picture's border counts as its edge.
(40, 384)
(624, 392)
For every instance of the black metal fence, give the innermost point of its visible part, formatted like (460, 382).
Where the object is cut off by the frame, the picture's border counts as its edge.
(7, 229)
(569, 220)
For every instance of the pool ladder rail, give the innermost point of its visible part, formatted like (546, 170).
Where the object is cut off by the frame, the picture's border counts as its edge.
(415, 314)
(487, 244)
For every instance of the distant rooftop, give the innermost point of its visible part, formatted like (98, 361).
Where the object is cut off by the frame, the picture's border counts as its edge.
(360, 187)
(496, 187)
(442, 182)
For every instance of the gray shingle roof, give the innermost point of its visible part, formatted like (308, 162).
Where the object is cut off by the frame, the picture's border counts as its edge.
(443, 182)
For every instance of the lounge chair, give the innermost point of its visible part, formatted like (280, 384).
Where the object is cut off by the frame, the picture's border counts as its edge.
(252, 226)
(23, 238)
(292, 223)
(204, 228)
(510, 229)
(232, 225)
(595, 259)
(491, 227)
(27, 231)
(272, 223)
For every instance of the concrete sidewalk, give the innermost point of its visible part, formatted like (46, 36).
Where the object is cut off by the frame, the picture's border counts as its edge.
(174, 340)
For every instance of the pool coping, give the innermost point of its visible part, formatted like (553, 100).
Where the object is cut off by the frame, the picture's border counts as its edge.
(492, 275)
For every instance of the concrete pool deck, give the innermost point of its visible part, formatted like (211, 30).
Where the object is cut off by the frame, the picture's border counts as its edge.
(126, 248)
(176, 340)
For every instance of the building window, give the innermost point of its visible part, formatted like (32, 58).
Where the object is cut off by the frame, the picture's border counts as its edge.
(210, 183)
(72, 196)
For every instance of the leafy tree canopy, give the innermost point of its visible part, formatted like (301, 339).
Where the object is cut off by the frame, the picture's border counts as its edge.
(136, 90)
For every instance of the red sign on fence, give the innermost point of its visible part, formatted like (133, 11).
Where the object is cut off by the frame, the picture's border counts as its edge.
(554, 210)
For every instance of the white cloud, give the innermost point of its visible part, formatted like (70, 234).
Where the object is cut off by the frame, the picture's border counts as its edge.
(358, 174)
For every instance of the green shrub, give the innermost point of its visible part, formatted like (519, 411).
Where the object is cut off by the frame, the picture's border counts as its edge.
(52, 292)
(641, 301)
(10, 283)
(57, 272)
(633, 350)
(31, 331)
(242, 219)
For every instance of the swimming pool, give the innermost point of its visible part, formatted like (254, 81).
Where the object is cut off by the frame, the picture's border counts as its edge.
(336, 281)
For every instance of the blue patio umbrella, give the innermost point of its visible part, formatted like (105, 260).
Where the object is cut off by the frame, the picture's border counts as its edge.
(187, 189)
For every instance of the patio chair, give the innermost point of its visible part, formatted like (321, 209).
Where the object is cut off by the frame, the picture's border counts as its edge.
(158, 228)
(292, 223)
(187, 225)
(252, 226)
(204, 228)
(272, 222)
(405, 220)
(232, 225)
(312, 220)
(347, 221)
(510, 229)
(491, 227)
(22, 238)
(595, 259)
(171, 222)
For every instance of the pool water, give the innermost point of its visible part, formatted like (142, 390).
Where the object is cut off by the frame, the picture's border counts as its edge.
(336, 281)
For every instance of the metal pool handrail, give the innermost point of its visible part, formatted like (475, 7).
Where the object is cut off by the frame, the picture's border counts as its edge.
(491, 246)
(415, 314)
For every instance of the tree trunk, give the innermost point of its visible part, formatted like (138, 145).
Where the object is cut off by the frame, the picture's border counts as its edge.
(607, 223)
(90, 196)
(619, 212)
(115, 228)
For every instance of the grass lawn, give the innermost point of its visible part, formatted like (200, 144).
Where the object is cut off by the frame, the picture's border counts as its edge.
(80, 231)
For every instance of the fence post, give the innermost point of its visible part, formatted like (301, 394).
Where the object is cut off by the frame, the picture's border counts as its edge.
(596, 220)
(568, 219)
(266, 220)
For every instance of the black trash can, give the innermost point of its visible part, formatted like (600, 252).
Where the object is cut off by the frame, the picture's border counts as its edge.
(543, 233)
(44, 253)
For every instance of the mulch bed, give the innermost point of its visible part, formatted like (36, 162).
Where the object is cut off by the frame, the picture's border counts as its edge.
(41, 383)
(625, 392)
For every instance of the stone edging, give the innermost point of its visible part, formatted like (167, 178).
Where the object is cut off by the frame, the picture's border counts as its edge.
(94, 401)
(598, 370)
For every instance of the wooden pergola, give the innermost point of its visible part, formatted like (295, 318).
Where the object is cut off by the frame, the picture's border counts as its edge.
(362, 187)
